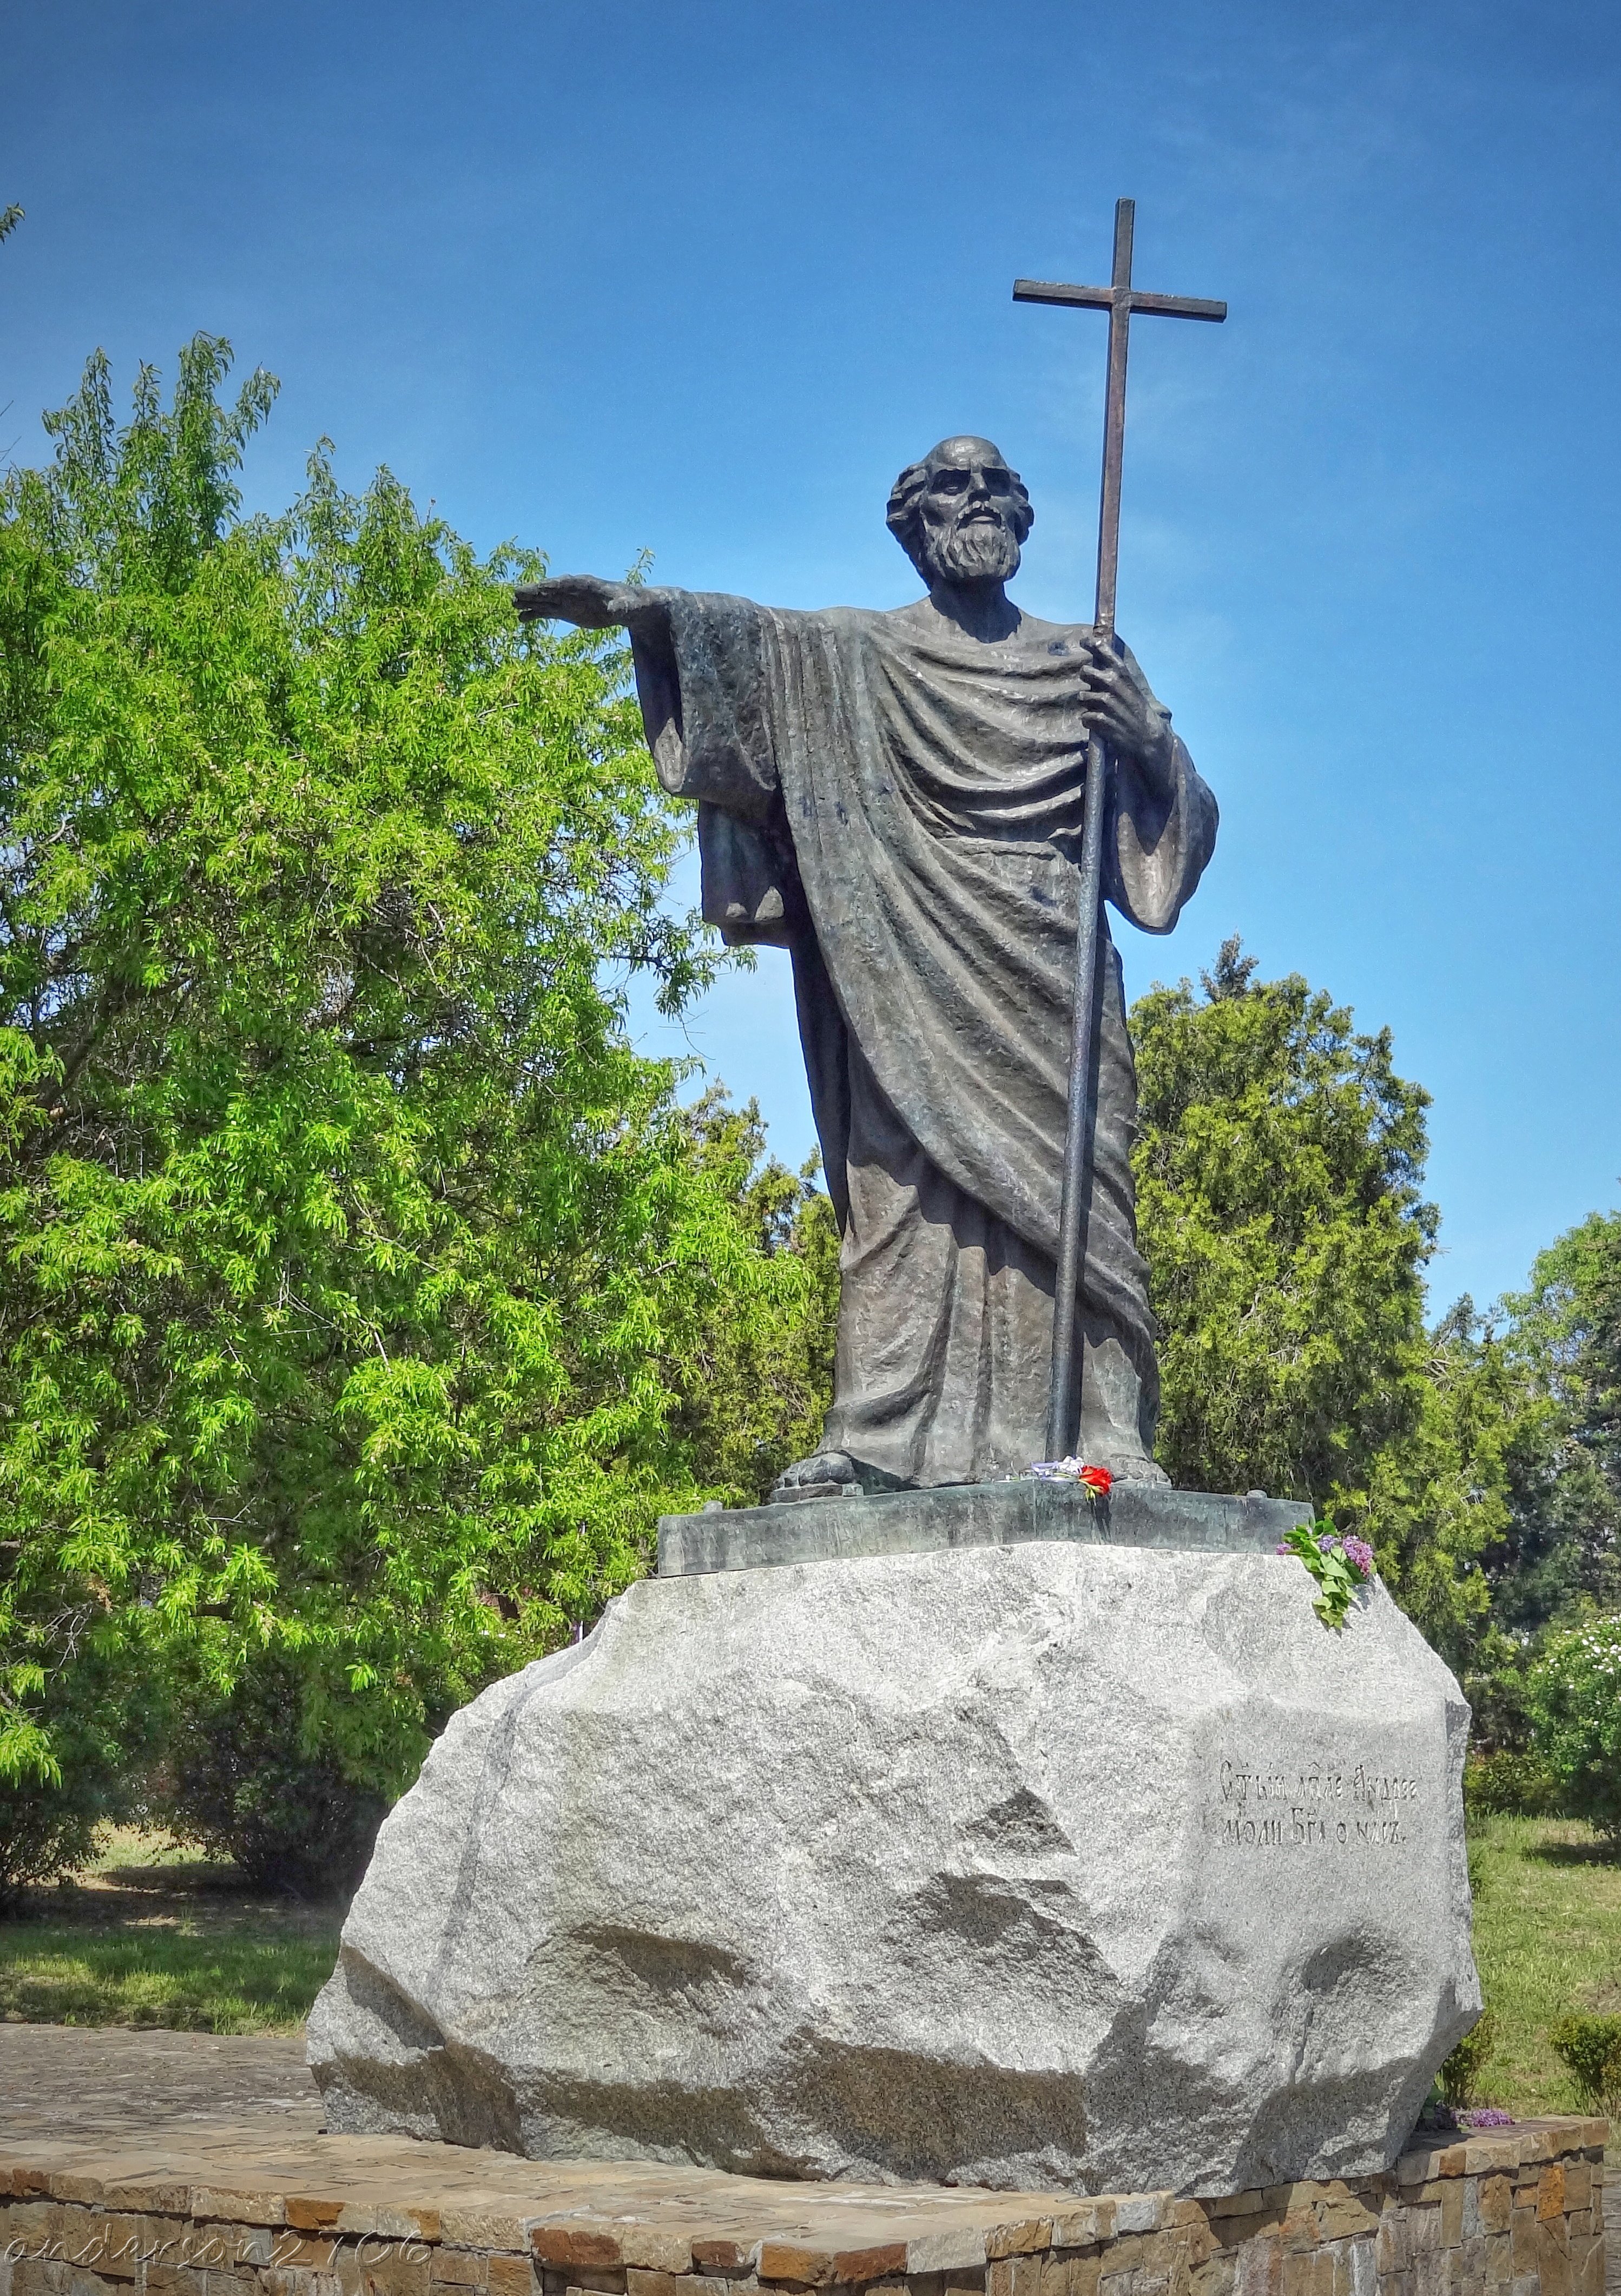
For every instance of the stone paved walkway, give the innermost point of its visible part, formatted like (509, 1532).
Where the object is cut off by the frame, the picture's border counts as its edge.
(230, 2111)
(239, 2120)
(99, 2080)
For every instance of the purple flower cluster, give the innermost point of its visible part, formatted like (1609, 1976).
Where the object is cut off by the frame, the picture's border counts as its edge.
(1357, 1552)
(1340, 1565)
(1437, 2115)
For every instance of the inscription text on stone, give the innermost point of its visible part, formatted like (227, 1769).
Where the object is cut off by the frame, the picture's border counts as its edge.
(1307, 1809)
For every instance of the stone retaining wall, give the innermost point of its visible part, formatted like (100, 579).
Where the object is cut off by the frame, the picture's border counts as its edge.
(1519, 2211)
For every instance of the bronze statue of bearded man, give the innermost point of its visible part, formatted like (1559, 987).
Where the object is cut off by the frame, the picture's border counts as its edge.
(895, 798)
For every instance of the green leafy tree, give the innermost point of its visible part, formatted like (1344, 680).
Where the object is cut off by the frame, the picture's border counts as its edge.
(1280, 1175)
(1562, 1336)
(349, 1248)
(756, 1390)
(1557, 1345)
(1576, 1705)
(1436, 1499)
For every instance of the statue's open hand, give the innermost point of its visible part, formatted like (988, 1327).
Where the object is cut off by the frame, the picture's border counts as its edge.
(1120, 709)
(585, 600)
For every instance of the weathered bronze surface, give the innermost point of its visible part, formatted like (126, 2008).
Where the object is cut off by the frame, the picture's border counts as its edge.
(897, 800)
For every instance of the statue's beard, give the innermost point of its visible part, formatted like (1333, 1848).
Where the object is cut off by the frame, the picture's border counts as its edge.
(980, 550)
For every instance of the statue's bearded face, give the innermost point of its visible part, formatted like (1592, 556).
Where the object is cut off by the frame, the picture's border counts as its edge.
(969, 516)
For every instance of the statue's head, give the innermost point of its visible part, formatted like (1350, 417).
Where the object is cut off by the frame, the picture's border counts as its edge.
(961, 514)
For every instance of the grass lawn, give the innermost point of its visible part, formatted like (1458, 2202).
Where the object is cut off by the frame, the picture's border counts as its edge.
(151, 1935)
(1548, 1940)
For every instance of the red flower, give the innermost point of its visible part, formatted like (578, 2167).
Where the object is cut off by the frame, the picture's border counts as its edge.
(1099, 1480)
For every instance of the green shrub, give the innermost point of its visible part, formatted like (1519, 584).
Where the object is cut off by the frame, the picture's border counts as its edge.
(1504, 1785)
(45, 1830)
(1460, 2074)
(1591, 2049)
(90, 1717)
(1575, 1704)
(247, 1777)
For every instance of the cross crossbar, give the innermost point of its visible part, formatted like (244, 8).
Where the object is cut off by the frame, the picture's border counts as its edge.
(1102, 299)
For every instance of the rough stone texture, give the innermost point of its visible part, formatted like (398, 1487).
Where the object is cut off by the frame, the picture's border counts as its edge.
(1056, 1866)
(972, 1514)
(225, 2210)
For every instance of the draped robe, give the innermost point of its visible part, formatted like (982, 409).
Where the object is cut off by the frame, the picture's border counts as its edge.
(899, 804)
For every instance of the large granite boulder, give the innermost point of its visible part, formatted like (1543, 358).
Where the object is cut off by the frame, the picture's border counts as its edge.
(1071, 1866)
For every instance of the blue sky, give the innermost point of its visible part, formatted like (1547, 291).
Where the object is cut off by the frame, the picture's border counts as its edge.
(698, 276)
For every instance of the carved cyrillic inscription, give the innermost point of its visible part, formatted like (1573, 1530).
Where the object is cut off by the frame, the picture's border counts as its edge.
(1308, 1809)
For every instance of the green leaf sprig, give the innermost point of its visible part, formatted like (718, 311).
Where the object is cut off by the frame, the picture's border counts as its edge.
(1340, 1566)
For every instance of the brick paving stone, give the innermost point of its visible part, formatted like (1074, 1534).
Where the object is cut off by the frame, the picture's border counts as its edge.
(233, 2126)
(203, 2157)
(95, 2078)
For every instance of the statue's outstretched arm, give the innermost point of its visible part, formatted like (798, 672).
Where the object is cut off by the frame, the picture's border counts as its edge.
(591, 603)
(698, 676)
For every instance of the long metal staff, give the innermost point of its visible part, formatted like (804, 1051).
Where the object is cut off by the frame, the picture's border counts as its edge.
(1120, 300)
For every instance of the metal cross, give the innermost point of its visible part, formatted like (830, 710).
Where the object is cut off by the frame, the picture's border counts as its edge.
(1120, 299)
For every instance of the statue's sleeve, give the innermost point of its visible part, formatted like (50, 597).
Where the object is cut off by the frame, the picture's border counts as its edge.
(1157, 847)
(701, 679)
